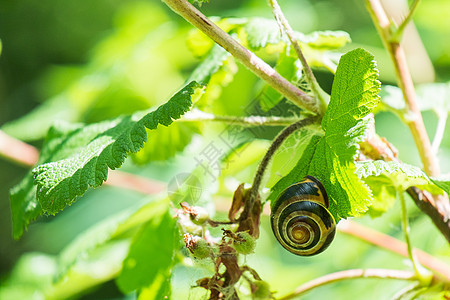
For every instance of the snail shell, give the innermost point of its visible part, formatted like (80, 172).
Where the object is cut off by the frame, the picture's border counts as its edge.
(301, 220)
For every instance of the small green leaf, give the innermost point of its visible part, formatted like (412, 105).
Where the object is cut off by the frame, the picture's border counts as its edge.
(330, 157)
(329, 40)
(262, 32)
(383, 192)
(151, 254)
(402, 175)
(210, 65)
(443, 182)
(386, 179)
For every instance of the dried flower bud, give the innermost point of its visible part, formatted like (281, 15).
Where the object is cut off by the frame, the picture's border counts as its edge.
(199, 215)
(244, 243)
(197, 246)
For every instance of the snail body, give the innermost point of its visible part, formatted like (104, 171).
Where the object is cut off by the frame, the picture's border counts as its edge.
(300, 218)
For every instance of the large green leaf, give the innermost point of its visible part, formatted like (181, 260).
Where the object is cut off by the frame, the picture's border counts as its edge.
(75, 158)
(330, 157)
(60, 182)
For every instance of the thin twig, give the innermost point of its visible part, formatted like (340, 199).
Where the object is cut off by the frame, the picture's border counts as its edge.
(392, 244)
(245, 56)
(351, 274)
(311, 79)
(440, 129)
(405, 83)
(405, 226)
(198, 115)
(415, 121)
(134, 182)
(277, 142)
(17, 151)
(401, 28)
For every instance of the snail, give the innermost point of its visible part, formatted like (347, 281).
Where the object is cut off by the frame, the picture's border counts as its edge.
(301, 220)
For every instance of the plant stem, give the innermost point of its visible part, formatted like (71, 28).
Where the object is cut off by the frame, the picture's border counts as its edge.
(426, 203)
(198, 115)
(245, 56)
(350, 274)
(283, 23)
(401, 28)
(405, 83)
(440, 129)
(405, 226)
(414, 120)
(279, 139)
(17, 151)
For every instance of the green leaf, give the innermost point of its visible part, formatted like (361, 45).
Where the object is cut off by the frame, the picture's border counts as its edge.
(101, 265)
(210, 65)
(443, 182)
(262, 32)
(116, 226)
(76, 157)
(329, 40)
(60, 182)
(151, 254)
(402, 175)
(330, 157)
(160, 288)
(166, 142)
(384, 194)
(386, 179)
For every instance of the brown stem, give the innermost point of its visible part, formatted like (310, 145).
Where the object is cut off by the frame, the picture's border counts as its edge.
(245, 56)
(17, 151)
(424, 202)
(350, 274)
(413, 115)
(283, 23)
(405, 83)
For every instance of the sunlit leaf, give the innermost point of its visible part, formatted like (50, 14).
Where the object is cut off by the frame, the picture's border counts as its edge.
(330, 157)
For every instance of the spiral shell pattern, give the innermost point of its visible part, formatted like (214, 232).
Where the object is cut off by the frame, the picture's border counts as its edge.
(300, 218)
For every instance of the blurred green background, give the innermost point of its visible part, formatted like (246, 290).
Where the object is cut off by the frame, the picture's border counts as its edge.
(86, 61)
